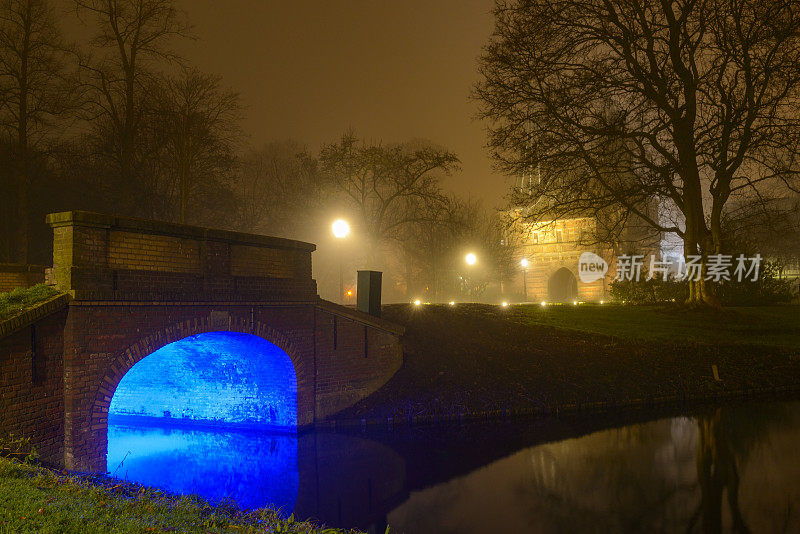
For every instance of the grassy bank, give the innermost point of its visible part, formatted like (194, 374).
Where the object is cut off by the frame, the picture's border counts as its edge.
(771, 326)
(469, 359)
(35, 499)
(17, 301)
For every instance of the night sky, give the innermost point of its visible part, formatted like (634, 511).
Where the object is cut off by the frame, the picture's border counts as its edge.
(391, 70)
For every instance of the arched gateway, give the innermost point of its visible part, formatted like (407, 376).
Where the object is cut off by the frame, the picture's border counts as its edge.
(135, 286)
(562, 286)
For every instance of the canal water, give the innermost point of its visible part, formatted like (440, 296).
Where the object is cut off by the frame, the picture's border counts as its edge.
(715, 470)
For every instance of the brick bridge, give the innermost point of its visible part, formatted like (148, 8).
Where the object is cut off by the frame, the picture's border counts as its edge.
(132, 286)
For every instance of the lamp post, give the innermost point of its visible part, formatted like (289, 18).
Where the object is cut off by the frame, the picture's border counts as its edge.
(340, 230)
(470, 259)
(524, 262)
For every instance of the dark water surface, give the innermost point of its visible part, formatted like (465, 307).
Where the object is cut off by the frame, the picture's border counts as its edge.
(718, 470)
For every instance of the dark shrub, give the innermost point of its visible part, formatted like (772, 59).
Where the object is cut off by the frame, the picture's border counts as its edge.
(768, 289)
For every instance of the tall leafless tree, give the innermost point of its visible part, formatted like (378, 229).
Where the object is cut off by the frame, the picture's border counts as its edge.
(279, 190)
(435, 246)
(133, 39)
(198, 130)
(622, 103)
(37, 89)
(387, 187)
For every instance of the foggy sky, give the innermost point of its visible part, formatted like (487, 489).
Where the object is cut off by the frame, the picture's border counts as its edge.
(391, 70)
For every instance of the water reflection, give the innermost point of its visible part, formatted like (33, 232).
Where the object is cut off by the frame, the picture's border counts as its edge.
(255, 469)
(729, 469)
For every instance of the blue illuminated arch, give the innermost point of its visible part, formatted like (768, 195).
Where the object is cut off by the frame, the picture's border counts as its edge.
(214, 378)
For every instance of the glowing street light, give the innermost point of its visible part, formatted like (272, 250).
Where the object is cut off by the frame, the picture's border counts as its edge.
(340, 230)
(417, 302)
(471, 259)
(504, 304)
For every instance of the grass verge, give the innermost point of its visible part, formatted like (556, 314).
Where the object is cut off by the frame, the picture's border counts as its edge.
(772, 326)
(37, 499)
(17, 301)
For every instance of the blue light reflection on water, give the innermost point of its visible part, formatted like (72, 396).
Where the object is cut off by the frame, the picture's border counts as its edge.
(176, 421)
(255, 469)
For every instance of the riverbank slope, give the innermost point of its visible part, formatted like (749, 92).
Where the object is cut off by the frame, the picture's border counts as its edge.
(37, 499)
(472, 360)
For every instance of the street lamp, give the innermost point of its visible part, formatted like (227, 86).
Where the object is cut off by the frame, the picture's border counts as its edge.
(524, 262)
(470, 258)
(340, 230)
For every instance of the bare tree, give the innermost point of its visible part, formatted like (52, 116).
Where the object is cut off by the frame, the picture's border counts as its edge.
(198, 126)
(622, 103)
(279, 191)
(37, 89)
(132, 38)
(434, 248)
(387, 187)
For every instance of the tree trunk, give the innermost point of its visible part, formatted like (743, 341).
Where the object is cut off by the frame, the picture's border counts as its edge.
(21, 222)
(697, 242)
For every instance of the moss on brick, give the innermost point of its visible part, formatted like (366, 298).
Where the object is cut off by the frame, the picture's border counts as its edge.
(20, 300)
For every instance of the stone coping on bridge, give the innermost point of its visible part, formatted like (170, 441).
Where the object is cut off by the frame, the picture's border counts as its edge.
(361, 317)
(104, 220)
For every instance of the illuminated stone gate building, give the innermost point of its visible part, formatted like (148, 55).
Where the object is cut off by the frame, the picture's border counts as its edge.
(553, 248)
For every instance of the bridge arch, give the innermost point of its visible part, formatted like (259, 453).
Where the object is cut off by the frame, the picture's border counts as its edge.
(149, 344)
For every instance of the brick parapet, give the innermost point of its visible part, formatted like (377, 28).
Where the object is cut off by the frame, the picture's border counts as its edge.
(104, 257)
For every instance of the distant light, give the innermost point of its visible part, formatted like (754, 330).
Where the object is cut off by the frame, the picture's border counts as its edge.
(452, 303)
(340, 228)
(470, 258)
(524, 262)
(574, 302)
(543, 303)
(602, 302)
(417, 302)
(504, 304)
(349, 292)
